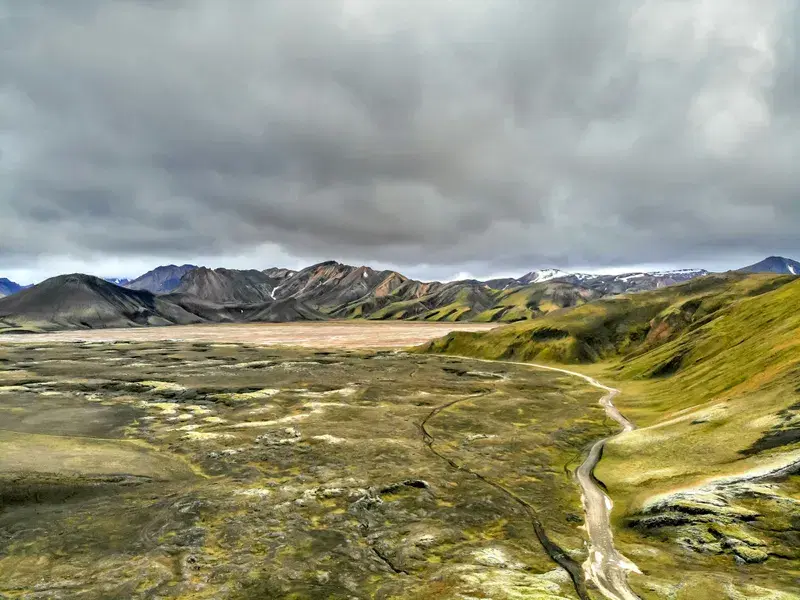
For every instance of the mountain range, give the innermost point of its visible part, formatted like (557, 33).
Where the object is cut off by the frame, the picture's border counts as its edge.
(187, 294)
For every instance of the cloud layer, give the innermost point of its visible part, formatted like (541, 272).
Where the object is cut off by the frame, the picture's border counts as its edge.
(501, 134)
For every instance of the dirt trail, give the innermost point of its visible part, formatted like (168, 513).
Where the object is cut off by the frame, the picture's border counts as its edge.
(606, 567)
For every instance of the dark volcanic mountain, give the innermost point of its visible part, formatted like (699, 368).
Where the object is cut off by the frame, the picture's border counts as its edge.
(161, 280)
(775, 264)
(332, 284)
(273, 311)
(227, 286)
(8, 287)
(83, 301)
(86, 302)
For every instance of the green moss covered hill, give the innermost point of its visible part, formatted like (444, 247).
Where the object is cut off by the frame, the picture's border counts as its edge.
(707, 489)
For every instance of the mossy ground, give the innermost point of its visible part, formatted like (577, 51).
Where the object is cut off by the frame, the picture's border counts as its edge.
(176, 470)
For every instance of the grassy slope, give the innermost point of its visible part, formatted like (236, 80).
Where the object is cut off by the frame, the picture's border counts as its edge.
(612, 327)
(419, 309)
(733, 375)
(730, 407)
(710, 371)
(506, 306)
(532, 301)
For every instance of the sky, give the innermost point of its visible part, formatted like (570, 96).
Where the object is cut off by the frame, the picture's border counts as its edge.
(443, 138)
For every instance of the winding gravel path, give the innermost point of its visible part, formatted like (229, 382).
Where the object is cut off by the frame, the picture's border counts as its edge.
(606, 567)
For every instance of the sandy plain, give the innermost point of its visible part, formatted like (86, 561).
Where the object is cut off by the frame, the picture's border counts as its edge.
(336, 334)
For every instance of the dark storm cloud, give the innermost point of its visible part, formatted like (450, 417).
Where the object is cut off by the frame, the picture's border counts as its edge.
(506, 134)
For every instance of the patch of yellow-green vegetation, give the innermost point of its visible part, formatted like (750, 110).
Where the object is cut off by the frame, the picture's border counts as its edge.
(162, 386)
(32, 453)
(8, 389)
(451, 312)
(17, 376)
(214, 420)
(21, 325)
(737, 533)
(203, 436)
(489, 315)
(246, 396)
(510, 584)
(395, 310)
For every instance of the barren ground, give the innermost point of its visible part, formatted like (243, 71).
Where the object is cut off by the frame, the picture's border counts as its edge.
(309, 335)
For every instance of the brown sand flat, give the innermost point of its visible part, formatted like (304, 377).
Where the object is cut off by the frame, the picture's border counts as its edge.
(335, 334)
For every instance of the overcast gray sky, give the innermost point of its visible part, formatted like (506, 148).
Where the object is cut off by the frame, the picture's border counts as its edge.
(440, 137)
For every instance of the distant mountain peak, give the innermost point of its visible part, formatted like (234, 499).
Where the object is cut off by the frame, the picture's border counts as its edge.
(161, 280)
(775, 264)
(120, 281)
(8, 287)
(327, 263)
(634, 281)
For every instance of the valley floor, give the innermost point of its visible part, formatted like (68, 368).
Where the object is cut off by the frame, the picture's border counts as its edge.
(215, 470)
(326, 334)
(212, 468)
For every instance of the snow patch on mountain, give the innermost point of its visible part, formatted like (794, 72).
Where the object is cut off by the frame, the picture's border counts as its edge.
(630, 276)
(543, 275)
(680, 272)
(120, 281)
